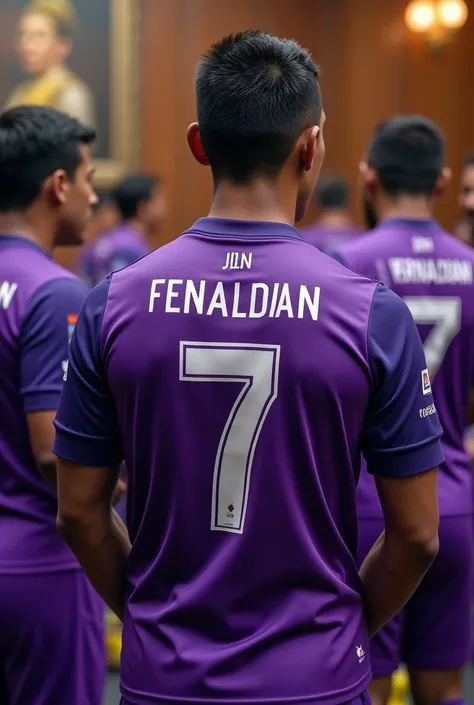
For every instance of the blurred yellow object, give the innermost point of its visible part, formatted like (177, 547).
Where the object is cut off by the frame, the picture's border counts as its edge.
(400, 688)
(113, 639)
(452, 13)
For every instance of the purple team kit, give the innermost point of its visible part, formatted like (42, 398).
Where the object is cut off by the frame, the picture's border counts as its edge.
(111, 251)
(39, 576)
(329, 239)
(243, 583)
(433, 273)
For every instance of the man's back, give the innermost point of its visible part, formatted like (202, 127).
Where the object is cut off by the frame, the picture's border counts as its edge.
(29, 279)
(433, 273)
(111, 251)
(241, 387)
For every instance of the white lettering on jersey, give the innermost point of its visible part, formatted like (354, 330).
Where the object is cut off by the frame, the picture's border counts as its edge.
(7, 292)
(421, 244)
(242, 300)
(238, 260)
(408, 270)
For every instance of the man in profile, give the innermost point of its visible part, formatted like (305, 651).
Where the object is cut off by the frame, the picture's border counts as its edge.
(229, 372)
(51, 633)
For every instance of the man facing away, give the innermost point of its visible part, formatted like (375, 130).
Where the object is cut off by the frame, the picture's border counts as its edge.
(433, 272)
(140, 201)
(228, 371)
(51, 634)
(334, 224)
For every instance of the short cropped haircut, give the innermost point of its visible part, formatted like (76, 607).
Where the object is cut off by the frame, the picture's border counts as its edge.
(407, 153)
(34, 143)
(332, 191)
(132, 191)
(255, 95)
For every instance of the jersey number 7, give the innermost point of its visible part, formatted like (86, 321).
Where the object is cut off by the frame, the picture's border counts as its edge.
(444, 313)
(255, 368)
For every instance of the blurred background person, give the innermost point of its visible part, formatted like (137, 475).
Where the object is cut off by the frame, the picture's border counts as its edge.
(140, 203)
(465, 228)
(334, 224)
(44, 44)
(105, 216)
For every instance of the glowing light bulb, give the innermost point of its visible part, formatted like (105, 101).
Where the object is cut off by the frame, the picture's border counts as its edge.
(420, 15)
(452, 14)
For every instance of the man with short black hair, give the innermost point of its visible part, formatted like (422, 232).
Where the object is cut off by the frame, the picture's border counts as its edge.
(51, 633)
(230, 373)
(334, 225)
(434, 274)
(140, 201)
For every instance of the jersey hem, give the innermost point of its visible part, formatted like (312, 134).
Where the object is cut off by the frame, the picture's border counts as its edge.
(346, 696)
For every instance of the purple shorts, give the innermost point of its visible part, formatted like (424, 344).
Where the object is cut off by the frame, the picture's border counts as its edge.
(433, 631)
(51, 640)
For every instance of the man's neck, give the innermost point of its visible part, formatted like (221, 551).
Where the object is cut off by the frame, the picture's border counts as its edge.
(135, 224)
(52, 72)
(259, 201)
(335, 219)
(18, 224)
(406, 208)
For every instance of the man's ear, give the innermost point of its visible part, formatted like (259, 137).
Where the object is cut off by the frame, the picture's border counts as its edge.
(195, 144)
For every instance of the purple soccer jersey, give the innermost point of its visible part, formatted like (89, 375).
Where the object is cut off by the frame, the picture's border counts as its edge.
(111, 251)
(39, 305)
(239, 390)
(433, 273)
(328, 239)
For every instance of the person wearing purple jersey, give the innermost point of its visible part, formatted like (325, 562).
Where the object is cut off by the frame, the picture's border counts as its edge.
(334, 224)
(140, 202)
(51, 633)
(433, 273)
(228, 371)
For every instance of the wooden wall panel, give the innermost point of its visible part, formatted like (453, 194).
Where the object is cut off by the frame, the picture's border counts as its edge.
(371, 67)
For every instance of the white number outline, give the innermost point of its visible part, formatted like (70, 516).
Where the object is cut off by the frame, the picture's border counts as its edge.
(445, 314)
(247, 414)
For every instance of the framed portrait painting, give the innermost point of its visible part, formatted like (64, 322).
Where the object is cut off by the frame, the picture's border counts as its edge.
(80, 56)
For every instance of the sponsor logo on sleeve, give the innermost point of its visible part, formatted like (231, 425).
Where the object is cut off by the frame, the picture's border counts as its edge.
(425, 382)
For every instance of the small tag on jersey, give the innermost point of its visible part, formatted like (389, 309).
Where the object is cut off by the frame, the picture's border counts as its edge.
(425, 382)
(71, 322)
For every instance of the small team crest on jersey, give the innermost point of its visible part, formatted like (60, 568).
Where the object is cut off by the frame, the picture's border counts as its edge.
(425, 382)
(71, 322)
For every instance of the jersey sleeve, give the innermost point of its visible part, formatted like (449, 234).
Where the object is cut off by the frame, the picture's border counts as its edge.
(87, 431)
(402, 430)
(44, 341)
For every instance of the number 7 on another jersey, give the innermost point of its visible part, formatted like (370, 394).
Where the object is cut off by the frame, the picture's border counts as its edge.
(256, 369)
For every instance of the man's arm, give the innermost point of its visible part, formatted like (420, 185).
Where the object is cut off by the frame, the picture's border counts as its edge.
(89, 449)
(402, 449)
(45, 334)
